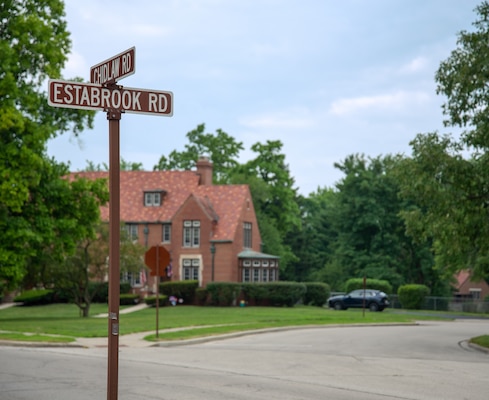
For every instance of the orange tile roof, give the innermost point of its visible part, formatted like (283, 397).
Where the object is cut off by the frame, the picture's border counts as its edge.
(226, 201)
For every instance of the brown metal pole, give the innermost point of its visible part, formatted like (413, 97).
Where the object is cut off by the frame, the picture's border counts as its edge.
(114, 254)
(157, 290)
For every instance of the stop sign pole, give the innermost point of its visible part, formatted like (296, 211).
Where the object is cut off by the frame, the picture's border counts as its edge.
(103, 93)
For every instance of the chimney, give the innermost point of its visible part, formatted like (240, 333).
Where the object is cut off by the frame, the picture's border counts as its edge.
(204, 170)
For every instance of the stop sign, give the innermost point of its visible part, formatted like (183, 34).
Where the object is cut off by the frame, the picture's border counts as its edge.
(157, 258)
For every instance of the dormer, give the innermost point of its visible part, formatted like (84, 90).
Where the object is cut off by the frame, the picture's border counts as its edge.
(153, 198)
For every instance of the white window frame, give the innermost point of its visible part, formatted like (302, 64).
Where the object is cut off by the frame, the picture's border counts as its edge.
(152, 199)
(247, 235)
(191, 269)
(166, 233)
(191, 233)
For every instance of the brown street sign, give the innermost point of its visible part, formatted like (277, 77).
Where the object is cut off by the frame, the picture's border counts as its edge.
(114, 68)
(89, 96)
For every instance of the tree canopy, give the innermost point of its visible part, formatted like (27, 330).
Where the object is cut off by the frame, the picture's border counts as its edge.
(448, 177)
(34, 44)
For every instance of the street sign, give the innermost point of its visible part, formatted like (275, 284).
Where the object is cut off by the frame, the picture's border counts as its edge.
(90, 96)
(157, 258)
(114, 68)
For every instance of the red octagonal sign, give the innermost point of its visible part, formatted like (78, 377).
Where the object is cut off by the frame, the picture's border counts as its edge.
(157, 258)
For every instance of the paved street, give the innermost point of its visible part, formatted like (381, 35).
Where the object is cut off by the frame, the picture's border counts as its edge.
(428, 361)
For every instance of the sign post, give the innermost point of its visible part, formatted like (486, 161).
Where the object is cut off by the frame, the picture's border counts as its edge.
(104, 94)
(157, 258)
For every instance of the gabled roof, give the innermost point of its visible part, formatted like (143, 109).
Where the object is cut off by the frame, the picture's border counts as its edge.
(223, 203)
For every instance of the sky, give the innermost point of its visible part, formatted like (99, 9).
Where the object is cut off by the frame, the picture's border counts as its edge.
(328, 78)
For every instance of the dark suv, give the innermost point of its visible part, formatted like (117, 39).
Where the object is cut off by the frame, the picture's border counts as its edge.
(375, 300)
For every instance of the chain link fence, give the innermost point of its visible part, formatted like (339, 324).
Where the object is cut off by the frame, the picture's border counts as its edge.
(462, 304)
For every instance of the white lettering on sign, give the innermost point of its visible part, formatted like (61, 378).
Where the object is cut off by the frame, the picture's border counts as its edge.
(96, 97)
(115, 68)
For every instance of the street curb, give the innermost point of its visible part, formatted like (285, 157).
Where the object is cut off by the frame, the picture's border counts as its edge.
(205, 339)
(19, 343)
(477, 347)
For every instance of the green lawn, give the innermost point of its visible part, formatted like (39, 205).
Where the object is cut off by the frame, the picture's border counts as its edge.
(64, 320)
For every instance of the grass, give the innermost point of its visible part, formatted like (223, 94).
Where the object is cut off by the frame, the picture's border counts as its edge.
(481, 340)
(64, 320)
(32, 337)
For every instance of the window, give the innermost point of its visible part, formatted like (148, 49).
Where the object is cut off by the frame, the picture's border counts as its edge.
(259, 270)
(246, 274)
(132, 231)
(247, 243)
(191, 233)
(166, 233)
(134, 278)
(191, 268)
(152, 199)
(475, 293)
(256, 275)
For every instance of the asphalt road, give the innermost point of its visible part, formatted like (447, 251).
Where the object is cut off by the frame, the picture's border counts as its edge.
(428, 361)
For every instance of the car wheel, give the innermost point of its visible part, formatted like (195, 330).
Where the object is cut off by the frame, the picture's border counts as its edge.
(337, 306)
(373, 307)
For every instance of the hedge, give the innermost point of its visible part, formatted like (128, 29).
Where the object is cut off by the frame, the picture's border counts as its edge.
(223, 293)
(376, 284)
(412, 296)
(317, 293)
(35, 297)
(184, 290)
(273, 293)
(127, 299)
(151, 301)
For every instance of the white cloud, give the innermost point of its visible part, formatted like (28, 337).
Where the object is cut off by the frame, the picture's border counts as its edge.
(291, 119)
(416, 65)
(383, 102)
(75, 66)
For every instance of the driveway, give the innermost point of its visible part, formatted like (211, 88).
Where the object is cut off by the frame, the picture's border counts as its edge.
(427, 361)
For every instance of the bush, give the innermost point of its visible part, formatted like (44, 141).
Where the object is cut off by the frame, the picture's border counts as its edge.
(284, 293)
(201, 295)
(254, 293)
(223, 293)
(151, 301)
(317, 293)
(181, 289)
(412, 296)
(127, 299)
(35, 297)
(376, 284)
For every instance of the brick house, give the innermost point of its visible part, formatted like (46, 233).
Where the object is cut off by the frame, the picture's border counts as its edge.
(210, 231)
(468, 288)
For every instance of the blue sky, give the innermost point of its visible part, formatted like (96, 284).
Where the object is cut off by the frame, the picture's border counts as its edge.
(328, 78)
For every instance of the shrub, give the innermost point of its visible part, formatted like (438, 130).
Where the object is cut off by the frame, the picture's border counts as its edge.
(223, 293)
(127, 299)
(201, 295)
(284, 293)
(181, 289)
(376, 284)
(35, 297)
(412, 296)
(151, 301)
(254, 293)
(317, 293)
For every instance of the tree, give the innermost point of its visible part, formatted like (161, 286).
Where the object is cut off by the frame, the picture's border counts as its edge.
(83, 272)
(222, 149)
(34, 43)
(448, 178)
(60, 214)
(312, 242)
(275, 200)
(370, 235)
(124, 166)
